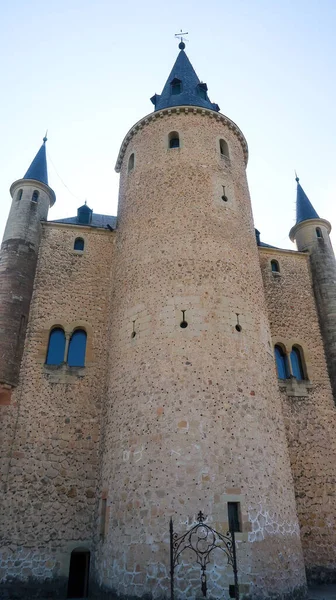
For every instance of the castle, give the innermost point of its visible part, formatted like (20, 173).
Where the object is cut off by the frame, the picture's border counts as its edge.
(161, 363)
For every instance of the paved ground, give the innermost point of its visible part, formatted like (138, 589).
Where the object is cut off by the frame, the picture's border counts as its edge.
(322, 592)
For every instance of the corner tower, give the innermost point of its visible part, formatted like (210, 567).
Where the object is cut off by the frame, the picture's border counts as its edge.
(311, 234)
(194, 416)
(31, 199)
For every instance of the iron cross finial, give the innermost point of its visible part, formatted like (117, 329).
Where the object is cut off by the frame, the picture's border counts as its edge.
(181, 37)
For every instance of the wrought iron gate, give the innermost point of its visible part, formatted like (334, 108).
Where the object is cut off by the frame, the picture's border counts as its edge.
(202, 539)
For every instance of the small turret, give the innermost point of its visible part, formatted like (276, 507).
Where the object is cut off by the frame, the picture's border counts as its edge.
(32, 198)
(311, 234)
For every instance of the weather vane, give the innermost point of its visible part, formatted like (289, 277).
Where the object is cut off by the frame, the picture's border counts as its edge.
(181, 37)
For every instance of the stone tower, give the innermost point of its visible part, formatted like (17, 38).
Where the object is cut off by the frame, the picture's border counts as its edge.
(194, 417)
(311, 234)
(32, 198)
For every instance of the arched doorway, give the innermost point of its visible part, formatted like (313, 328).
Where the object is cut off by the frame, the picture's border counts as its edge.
(78, 582)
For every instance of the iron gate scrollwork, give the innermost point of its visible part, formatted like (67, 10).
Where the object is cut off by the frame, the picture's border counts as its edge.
(202, 540)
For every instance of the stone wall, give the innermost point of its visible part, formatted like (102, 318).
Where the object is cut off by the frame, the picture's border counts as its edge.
(51, 428)
(18, 257)
(308, 406)
(323, 268)
(194, 415)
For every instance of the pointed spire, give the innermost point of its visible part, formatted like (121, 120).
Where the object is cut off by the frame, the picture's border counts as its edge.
(183, 88)
(38, 168)
(304, 208)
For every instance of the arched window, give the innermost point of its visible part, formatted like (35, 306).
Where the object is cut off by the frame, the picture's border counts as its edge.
(224, 149)
(131, 162)
(19, 195)
(281, 362)
(174, 139)
(79, 244)
(275, 266)
(77, 349)
(296, 357)
(35, 196)
(318, 232)
(56, 347)
(176, 86)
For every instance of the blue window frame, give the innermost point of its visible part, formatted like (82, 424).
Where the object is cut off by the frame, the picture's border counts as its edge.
(275, 266)
(296, 362)
(281, 362)
(56, 347)
(79, 244)
(77, 349)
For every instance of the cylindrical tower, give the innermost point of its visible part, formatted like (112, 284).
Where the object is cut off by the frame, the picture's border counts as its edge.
(32, 198)
(311, 234)
(194, 418)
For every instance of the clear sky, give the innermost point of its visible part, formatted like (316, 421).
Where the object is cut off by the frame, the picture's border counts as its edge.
(85, 70)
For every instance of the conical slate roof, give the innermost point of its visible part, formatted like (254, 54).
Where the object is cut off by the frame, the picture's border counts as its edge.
(183, 88)
(304, 208)
(38, 168)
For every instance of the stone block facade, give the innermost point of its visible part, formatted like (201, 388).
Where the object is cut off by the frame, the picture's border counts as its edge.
(50, 430)
(177, 407)
(195, 411)
(309, 408)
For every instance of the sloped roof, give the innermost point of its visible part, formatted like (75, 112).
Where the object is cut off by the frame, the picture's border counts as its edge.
(193, 92)
(304, 208)
(97, 220)
(38, 169)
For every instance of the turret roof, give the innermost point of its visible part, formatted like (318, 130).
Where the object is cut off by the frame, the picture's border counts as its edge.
(304, 208)
(183, 87)
(38, 168)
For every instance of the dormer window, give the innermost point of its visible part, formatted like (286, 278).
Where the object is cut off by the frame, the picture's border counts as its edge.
(176, 86)
(84, 215)
(202, 89)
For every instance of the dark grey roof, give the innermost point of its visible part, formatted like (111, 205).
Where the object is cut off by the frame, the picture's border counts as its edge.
(38, 168)
(97, 221)
(263, 245)
(192, 91)
(304, 208)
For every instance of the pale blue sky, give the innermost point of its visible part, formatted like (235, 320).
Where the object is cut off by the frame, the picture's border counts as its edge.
(85, 70)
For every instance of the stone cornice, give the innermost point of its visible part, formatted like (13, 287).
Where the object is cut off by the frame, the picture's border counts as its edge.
(266, 249)
(307, 223)
(186, 110)
(77, 226)
(33, 183)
